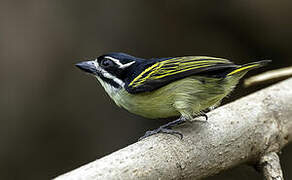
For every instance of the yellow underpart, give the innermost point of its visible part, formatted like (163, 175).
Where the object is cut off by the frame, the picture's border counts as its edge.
(243, 68)
(185, 97)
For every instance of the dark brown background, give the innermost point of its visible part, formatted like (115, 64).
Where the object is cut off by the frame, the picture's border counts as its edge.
(54, 118)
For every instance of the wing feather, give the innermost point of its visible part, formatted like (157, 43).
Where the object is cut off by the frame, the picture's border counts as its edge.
(166, 71)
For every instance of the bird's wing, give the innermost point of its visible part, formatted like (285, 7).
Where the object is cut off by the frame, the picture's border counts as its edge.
(166, 71)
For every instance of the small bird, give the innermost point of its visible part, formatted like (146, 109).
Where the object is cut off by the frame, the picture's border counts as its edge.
(167, 87)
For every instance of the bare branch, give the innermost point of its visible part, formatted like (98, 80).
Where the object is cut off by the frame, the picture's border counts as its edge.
(239, 132)
(271, 166)
(269, 76)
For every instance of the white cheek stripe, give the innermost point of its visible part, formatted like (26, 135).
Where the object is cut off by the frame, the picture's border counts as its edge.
(108, 75)
(119, 63)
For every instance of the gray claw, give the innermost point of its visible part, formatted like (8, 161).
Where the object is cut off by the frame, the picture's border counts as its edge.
(161, 130)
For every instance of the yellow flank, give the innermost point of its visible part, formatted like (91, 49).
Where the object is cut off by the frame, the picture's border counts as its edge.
(175, 65)
(186, 97)
(242, 68)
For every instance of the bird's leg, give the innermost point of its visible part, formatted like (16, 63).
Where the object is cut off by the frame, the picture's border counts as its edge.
(166, 128)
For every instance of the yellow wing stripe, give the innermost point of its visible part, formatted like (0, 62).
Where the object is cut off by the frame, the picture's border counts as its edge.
(146, 70)
(164, 73)
(243, 68)
(195, 63)
(144, 79)
(176, 65)
(180, 68)
(167, 74)
(192, 60)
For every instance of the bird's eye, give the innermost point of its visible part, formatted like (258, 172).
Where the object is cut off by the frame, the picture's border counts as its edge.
(106, 63)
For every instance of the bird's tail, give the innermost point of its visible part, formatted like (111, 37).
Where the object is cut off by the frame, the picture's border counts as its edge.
(246, 67)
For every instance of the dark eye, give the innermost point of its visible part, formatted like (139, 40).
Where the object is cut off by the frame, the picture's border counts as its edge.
(106, 63)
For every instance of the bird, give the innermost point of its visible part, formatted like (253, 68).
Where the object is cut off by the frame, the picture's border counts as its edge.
(184, 87)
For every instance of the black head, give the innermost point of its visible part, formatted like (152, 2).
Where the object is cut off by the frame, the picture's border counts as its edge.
(112, 68)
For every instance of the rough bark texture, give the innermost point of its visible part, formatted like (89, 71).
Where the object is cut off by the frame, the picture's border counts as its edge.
(240, 132)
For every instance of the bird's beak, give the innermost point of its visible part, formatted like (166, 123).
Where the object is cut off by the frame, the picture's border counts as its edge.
(87, 66)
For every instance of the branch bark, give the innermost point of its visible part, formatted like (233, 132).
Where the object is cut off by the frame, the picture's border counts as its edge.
(243, 131)
(269, 76)
(271, 166)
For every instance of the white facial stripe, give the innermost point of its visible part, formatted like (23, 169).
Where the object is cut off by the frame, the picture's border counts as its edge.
(108, 75)
(119, 63)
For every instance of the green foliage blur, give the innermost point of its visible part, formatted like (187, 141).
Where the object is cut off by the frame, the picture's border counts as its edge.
(54, 118)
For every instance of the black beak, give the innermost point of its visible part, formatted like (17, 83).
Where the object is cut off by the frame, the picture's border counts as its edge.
(87, 66)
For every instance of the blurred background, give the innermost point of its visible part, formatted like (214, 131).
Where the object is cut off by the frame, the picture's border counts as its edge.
(54, 118)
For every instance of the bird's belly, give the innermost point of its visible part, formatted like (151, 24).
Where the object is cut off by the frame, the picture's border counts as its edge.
(188, 95)
(149, 105)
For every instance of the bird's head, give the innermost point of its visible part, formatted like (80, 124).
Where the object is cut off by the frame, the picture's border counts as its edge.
(112, 69)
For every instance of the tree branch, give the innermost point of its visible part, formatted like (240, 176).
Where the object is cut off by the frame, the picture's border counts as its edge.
(269, 76)
(271, 166)
(240, 132)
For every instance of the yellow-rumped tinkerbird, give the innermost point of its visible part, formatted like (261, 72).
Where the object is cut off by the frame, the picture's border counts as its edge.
(167, 87)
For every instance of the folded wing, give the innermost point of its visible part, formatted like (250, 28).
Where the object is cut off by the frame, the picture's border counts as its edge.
(166, 71)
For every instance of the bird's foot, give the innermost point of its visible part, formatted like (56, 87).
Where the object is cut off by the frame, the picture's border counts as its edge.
(204, 115)
(201, 115)
(161, 130)
(165, 129)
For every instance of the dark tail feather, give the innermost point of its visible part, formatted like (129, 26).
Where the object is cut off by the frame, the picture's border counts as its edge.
(249, 66)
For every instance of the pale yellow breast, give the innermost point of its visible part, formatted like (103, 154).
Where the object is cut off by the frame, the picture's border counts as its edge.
(187, 97)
